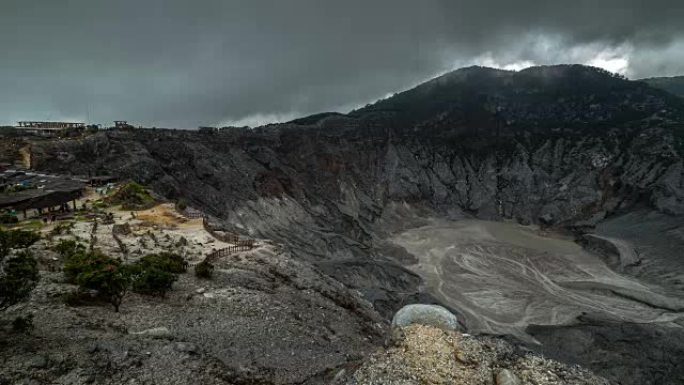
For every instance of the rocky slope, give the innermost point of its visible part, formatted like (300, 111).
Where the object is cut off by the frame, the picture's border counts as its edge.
(564, 147)
(422, 354)
(264, 318)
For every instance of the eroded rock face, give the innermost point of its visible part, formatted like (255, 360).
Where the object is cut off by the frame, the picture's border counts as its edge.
(263, 184)
(331, 195)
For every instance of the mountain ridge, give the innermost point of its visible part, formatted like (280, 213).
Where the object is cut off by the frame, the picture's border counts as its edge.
(475, 99)
(672, 84)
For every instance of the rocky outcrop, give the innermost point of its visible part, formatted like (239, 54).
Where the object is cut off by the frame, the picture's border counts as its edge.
(427, 355)
(506, 377)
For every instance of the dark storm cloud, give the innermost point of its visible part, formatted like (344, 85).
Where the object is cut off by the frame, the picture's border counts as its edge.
(187, 63)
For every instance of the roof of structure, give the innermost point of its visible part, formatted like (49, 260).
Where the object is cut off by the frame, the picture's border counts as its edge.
(33, 190)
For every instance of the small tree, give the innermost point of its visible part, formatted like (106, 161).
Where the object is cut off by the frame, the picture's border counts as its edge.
(169, 262)
(76, 259)
(154, 274)
(19, 277)
(18, 274)
(16, 239)
(66, 248)
(151, 280)
(106, 275)
(132, 196)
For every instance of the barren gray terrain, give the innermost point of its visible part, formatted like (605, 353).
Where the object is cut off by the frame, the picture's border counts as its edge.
(427, 197)
(263, 319)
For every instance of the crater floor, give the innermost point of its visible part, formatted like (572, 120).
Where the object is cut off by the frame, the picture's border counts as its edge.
(503, 277)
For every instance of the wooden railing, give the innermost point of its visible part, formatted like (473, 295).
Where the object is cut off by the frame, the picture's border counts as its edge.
(228, 237)
(227, 251)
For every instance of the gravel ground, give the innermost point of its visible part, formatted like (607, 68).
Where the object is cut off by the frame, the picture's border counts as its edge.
(263, 319)
(427, 355)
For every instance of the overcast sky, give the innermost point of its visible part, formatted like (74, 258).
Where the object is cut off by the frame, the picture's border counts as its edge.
(178, 63)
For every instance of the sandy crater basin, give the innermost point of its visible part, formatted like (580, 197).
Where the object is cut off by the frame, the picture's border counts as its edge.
(503, 277)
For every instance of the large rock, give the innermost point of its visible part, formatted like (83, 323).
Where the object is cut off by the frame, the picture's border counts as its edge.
(429, 315)
(506, 377)
(159, 333)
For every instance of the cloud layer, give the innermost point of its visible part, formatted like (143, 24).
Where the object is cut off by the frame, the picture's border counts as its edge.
(173, 63)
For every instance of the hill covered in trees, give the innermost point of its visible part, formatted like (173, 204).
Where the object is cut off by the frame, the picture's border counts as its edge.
(673, 85)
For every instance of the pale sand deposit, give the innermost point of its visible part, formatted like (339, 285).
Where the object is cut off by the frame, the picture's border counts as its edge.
(503, 277)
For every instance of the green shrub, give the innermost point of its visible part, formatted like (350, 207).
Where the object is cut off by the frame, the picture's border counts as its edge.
(22, 239)
(95, 271)
(132, 196)
(66, 248)
(150, 280)
(169, 262)
(154, 274)
(19, 276)
(103, 274)
(16, 239)
(76, 260)
(204, 270)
